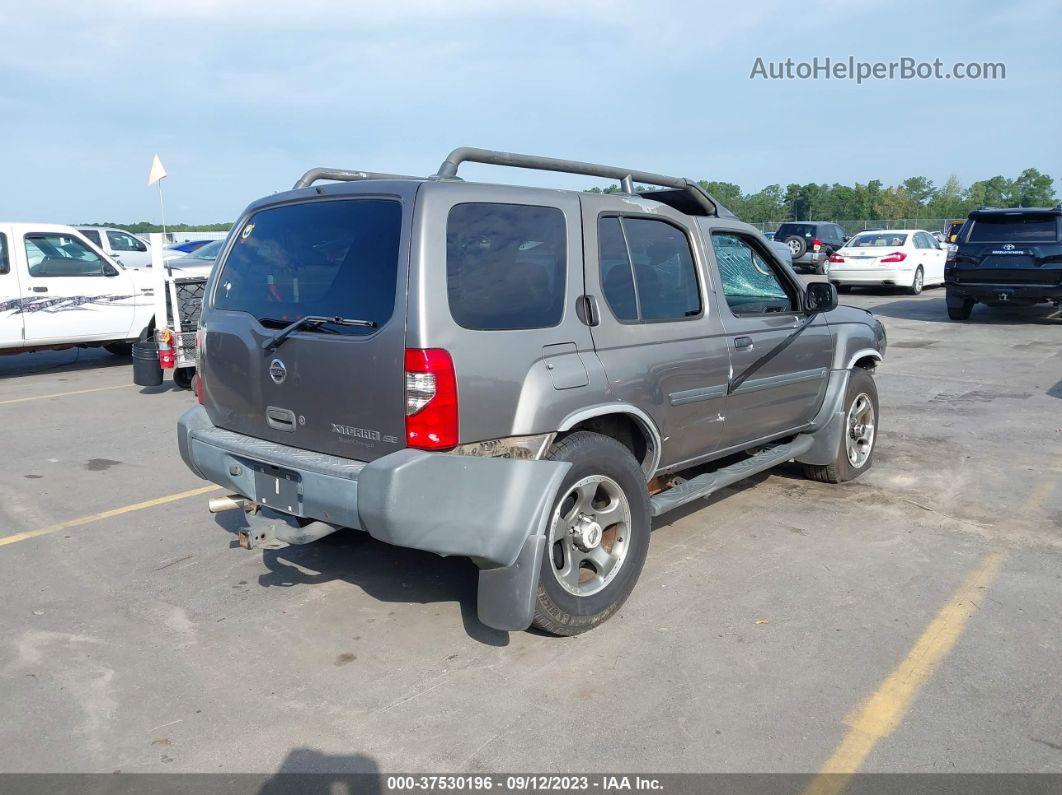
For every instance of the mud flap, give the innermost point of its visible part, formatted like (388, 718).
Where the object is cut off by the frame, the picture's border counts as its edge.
(495, 510)
(506, 598)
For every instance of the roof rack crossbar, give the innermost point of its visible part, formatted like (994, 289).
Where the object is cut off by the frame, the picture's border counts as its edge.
(342, 175)
(626, 176)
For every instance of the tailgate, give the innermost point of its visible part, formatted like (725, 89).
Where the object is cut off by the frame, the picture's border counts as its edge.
(330, 388)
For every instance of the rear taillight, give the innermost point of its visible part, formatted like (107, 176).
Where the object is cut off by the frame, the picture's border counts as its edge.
(817, 244)
(200, 335)
(431, 399)
(836, 258)
(896, 256)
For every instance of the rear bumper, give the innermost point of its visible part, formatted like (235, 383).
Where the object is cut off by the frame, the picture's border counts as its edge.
(810, 260)
(878, 276)
(1028, 293)
(493, 510)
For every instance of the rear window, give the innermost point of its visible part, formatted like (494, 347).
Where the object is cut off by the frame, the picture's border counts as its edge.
(800, 230)
(92, 235)
(505, 266)
(989, 229)
(328, 258)
(877, 240)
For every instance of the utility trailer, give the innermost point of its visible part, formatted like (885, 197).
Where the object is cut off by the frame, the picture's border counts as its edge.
(178, 304)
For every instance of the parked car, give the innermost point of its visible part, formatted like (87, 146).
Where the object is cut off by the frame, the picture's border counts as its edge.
(123, 246)
(783, 252)
(1006, 257)
(199, 261)
(58, 290)
(188, 246)
(518, 375)
(811, 243)
(909, 258)
(768, 235)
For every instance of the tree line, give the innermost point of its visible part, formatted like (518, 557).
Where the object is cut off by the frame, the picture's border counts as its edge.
(915, 197)
(144, 227)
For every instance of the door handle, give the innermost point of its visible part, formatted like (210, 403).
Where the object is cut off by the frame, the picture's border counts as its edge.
(743, 343)
(39, 289)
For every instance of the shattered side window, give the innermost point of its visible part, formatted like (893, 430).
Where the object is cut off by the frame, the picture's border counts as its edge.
(749, 282)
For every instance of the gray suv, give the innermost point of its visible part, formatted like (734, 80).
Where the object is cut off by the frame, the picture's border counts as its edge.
(518, 375)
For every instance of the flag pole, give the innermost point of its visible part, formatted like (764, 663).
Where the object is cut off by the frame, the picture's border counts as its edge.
(162, 207)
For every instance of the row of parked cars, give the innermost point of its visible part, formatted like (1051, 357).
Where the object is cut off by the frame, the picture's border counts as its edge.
(997, 256)
(61, 286)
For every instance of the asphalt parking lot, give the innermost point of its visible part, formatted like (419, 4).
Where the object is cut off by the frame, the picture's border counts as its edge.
(910, 621)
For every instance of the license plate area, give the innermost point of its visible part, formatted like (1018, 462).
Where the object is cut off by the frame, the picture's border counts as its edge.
(278, 488)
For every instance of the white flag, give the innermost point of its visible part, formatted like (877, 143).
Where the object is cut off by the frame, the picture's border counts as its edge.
(157, 171)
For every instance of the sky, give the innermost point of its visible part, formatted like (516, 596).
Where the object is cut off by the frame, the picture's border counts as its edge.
(239, 97)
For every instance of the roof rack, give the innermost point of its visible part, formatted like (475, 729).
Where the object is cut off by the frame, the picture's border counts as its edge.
(626, 176)
(466, 154)
(341, 175)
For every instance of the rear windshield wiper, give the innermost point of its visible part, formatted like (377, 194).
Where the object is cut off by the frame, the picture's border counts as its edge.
(310, 321)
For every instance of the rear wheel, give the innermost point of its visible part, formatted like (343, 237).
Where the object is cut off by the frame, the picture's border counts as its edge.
(855, 453)
(823, 268)
(182, 377)
(917, 282)
(960, 311)
(598, 536)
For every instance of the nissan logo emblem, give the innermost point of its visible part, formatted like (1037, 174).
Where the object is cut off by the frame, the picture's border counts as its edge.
(277, 371)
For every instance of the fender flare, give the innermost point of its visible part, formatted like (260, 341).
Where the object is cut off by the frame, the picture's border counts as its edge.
(862, 354)
(644, 421)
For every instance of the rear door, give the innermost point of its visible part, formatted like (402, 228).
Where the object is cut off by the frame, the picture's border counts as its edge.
(759, 310)
(70, 291)
(331, 388)
(10, 296)
(660, 345)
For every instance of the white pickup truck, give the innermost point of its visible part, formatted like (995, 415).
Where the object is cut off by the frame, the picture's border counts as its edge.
(59, 290)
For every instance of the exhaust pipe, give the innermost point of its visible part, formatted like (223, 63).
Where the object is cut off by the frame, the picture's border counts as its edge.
(231, 503)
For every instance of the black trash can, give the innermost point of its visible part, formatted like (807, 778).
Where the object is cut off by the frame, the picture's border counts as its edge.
(146, 369)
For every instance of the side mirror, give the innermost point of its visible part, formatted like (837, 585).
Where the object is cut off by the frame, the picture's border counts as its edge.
(109, 270)
(820, 297)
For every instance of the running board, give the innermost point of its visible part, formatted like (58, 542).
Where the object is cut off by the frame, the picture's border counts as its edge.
(710, 482)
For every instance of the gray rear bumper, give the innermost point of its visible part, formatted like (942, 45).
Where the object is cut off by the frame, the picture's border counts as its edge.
(494, 510)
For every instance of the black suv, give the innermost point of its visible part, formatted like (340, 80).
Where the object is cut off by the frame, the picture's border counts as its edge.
(1003, 257)
(811, 243)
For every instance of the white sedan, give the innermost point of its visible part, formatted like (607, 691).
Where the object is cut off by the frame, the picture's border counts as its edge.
(908, 258)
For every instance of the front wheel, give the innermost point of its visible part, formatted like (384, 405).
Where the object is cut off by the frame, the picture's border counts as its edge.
(855, 453)
(598, 535)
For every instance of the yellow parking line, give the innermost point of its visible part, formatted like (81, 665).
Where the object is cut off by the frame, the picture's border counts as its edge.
(63, 394)
(137, 506)
(880, 714)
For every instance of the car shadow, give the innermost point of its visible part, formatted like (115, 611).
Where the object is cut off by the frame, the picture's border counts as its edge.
(385, 572)
(306, 770)
(66, 361)
(935, 310)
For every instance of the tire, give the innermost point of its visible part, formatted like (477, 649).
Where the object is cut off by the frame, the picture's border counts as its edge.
(601, 468)
(119, 348)
(823, 268)
(962, 311)
(798, 246)
(861, 388)
(844, 288)
(182, 377)
(917, 282)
